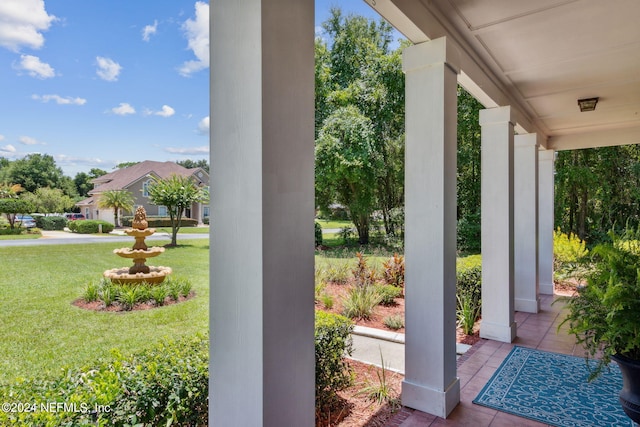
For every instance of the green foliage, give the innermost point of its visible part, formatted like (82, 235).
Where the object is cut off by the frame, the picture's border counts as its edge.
(90, 226)
(83, 181)
(605, 315)
(49, 200)
(158, 294)
(318, 234)
(37, 171)
(468, 291)
(381, 392)
(388, 294)
(360, 302)
(12, 206)
(177, 193)
(337, 272)
(568, 251)
(128, 295)
(192, 164)
(394, 322)
(117, 200)
(91, 292)
(332, 342)
(160, 221)
(53, 222)
(164, 385)
(362, 274)
(327, 301)
(393, 270)
(468, 311)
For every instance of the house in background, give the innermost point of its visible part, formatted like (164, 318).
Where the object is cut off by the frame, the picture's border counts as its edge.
(136, 179)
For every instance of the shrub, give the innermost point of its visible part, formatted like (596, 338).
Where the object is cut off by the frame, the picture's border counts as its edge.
(393, 272)
(51, 222)
(90, 226)
(388, 294)
(318, 233)
(469, 277)
(362, 274)
(337, 272)
(91, 292)
(129, 296)
(468, 312)
(164, 385)
(327, 301)
(568, 250)
(206, 220)
(160, 221)
(158, 294)
(394, 322)
(332, 342)
(360, 302)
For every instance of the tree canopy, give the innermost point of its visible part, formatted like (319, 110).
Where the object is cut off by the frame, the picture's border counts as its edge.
(116, 200)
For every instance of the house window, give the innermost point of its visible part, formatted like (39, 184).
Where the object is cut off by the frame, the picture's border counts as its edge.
(162, 211)
(145, 188)
(205, 211)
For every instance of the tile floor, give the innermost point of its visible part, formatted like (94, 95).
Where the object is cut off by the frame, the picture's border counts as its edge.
(535, 331)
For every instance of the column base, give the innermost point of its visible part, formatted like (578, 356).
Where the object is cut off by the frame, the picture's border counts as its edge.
(546, 288)
(527, 305)
(436, 402)
(497, 332)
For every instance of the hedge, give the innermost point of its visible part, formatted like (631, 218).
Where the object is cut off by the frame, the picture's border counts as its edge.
(469, 277)
(51, 222)
(161, 221)
(89, 226)
(165, 385)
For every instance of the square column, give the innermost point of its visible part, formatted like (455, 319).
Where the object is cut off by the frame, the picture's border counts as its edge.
(497, 225)
(262, 188)
(525, 199)
(431, 384)
(546, 161)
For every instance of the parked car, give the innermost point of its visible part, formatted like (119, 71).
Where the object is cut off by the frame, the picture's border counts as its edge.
(25, 221)
(74, 216)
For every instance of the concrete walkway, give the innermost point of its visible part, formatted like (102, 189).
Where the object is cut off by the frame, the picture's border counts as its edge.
(374, 345)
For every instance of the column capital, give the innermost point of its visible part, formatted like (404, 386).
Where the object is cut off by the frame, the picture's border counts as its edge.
(496, 115)
(526, 140)
(427, 54)
(547, 155)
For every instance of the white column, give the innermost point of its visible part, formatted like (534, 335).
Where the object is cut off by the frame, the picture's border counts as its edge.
(497, 225)
(525, 199)
(546, 160)
(262, 159)
(431, 384)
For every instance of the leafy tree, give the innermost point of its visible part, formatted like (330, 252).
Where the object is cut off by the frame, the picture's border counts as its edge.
(192, 164)
(347, 166)
(36, 171)
(125, 165)
(177, 193)
(12, 206)
(116, 200)
(83, 183)
(10, 191)
(357, 68)
(49, 200)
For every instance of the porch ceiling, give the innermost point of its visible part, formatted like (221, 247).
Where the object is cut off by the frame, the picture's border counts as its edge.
(540, 57)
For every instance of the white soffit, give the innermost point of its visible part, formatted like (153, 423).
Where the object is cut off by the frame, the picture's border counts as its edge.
(541, 57)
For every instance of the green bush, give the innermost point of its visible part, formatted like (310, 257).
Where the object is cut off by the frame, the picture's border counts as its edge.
(568, 251)
(469, 277)
(51, 222)
(165, 385)
(90, 226)
(206, 220)
(332, 342)
(394, 322)
(318, 233)
(160, 221)
(361, 301)
(388, 294)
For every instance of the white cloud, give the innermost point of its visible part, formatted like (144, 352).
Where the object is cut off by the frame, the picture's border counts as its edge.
(149, 30)
(34, 67)
(108, 69)
(21, 23)
(166, 111)
(193, 150)
(8, 149)
(203, 126)
(27, 140)
(197, 32)
(1, 137)
(123, 109)
(59, 100)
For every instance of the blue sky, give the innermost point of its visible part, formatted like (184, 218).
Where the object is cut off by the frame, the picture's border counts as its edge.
(96, 83)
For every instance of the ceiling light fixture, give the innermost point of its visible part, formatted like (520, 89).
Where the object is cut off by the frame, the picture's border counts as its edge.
(587, 104)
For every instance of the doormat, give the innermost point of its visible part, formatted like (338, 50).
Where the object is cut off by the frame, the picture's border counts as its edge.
(552, 388)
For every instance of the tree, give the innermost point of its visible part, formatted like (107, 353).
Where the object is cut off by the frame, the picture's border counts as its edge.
(10, 191)
(36, 171)
(83, 183)
(348, 166)
(49, 200)
(116, 200)
(192, 164)
(12, 206)
(176, 193)
(125, 165)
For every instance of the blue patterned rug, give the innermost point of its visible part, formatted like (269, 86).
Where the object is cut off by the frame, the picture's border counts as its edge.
(552, 388)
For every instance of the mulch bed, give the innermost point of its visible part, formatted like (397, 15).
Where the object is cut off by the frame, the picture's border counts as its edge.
(116, 307)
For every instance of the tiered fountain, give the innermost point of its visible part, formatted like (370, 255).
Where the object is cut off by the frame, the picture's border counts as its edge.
(139, 272)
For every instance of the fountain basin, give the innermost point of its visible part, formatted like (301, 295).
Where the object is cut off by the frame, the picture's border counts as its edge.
(122, 276)
(139, 253)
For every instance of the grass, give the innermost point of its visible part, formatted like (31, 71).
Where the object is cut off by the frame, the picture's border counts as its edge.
(185, 230)
(19, 236)
(43, 332)
(326, 223)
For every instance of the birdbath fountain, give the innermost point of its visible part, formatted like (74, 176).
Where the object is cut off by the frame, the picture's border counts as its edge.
(139, 272)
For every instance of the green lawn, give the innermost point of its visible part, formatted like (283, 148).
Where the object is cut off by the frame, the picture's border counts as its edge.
(186, 230)
(42, 332)
(325, 223)
(19, 236)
